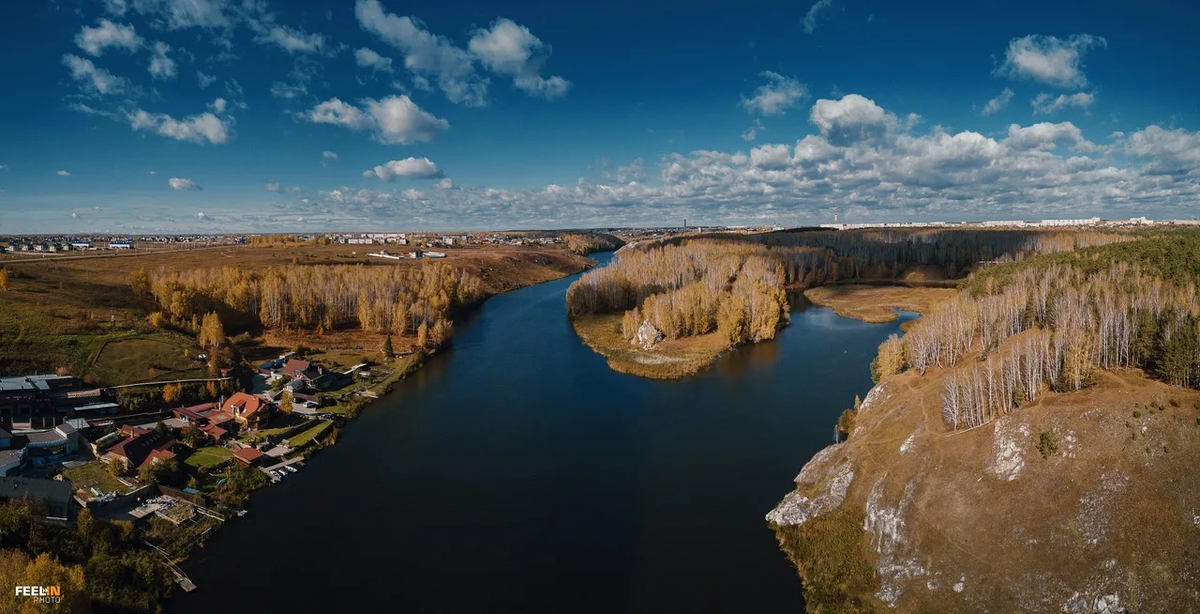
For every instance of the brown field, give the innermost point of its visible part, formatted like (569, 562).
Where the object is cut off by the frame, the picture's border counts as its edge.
(672, 359)
(1111, 510)
(876, 304)
(61, 312)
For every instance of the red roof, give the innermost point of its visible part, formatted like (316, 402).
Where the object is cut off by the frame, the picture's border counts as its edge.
(294, 366)
(244, 404)
(247, 455)
(157, 454)
(215, 431)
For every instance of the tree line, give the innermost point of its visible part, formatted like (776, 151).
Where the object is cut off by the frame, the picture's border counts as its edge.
(1057, 320)
(418, 300)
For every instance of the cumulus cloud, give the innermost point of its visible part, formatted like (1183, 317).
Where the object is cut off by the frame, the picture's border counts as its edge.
(218, 105)
(425, 53)
(851, 119)
(180, 183)
(161, 64)
(328, 155)
(1172, 152)
(105, 34)
(1048, 59)
(272, 187)
(1044, 136)
(92, 80)
(395, 120)
(202, 128)
(776, 96)
(810, 18)
(205, 80)
(408, 168)
(367, 58)
(1047, 104)
(510, 49)
(999, 102)
(288, 91)
(63, 174)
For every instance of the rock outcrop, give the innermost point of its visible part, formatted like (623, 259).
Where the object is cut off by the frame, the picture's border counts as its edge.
(989, 520)
(648, 335)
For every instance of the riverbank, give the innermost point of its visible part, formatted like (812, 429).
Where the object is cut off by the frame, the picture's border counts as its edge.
(680, 358)
(670, 359)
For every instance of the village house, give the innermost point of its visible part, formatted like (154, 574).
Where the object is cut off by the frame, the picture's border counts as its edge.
(136, 445)
(248, 456)
(313, 374)
(247, 410)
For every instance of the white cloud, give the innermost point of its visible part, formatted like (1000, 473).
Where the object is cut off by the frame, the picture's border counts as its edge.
(116, 7)
(328, 155)
(3, 167)
(63, 174)
(179, 183)
(810, 18)
(181, 14)
(93, 80)
(750, 134)
(203, 216)
(367, 58)
(1043, 136)
(999, 102)
(202, 128)
(510, 49)
(94, 40)
(409, 168)
(776, 96)
(770, 156)
(292, 40)
(1048, 59)
(1046, 104)
(1168, 151)
(205, 80)
(161, 64)
(393, 120)
(272, 187)
(288, 91)
(444, 184)
(218, 105)
(426, 54)
(851, 119)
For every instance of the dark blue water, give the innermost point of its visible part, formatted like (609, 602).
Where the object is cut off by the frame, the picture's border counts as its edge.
(518, 473)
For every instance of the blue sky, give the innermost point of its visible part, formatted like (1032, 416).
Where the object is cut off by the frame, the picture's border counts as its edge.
(247, 115)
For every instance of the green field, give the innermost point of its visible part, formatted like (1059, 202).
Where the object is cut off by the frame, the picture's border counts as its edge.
(208, 457)
(310, 435)
(95, 474)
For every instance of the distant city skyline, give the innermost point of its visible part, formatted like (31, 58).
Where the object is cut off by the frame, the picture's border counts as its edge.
(231, 116)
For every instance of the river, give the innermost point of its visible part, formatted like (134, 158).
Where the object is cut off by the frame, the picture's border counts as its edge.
(518, 473)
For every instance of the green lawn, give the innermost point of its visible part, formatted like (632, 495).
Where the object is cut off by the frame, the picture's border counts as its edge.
(308, 436)
(95, 474)
(208, 457)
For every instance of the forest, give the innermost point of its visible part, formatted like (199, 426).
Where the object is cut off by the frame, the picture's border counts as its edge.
(584, 244)
(1056, 320)
(737, 284)
(419, 300)
(701, 286)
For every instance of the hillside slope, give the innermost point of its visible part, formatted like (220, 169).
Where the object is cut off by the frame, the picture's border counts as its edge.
(1077, 502)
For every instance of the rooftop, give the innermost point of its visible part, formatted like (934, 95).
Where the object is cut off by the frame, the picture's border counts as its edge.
(30, 488)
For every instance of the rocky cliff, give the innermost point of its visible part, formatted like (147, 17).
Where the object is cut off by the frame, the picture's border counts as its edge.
(1080, 502)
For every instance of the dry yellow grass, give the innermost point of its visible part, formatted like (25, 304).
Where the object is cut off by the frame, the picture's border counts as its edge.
(673, 359)
(876, 304)
(58, 313)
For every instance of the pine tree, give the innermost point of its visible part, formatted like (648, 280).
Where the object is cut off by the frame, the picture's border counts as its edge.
(388, 351)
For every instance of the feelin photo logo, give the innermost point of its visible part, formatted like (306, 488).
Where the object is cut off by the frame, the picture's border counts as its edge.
(41, 594)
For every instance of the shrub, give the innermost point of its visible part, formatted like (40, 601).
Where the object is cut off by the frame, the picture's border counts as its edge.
(1048, 443)
(1137, 414)
(1174, 402)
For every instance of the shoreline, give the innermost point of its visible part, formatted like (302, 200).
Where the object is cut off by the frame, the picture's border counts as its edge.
(376, 391)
